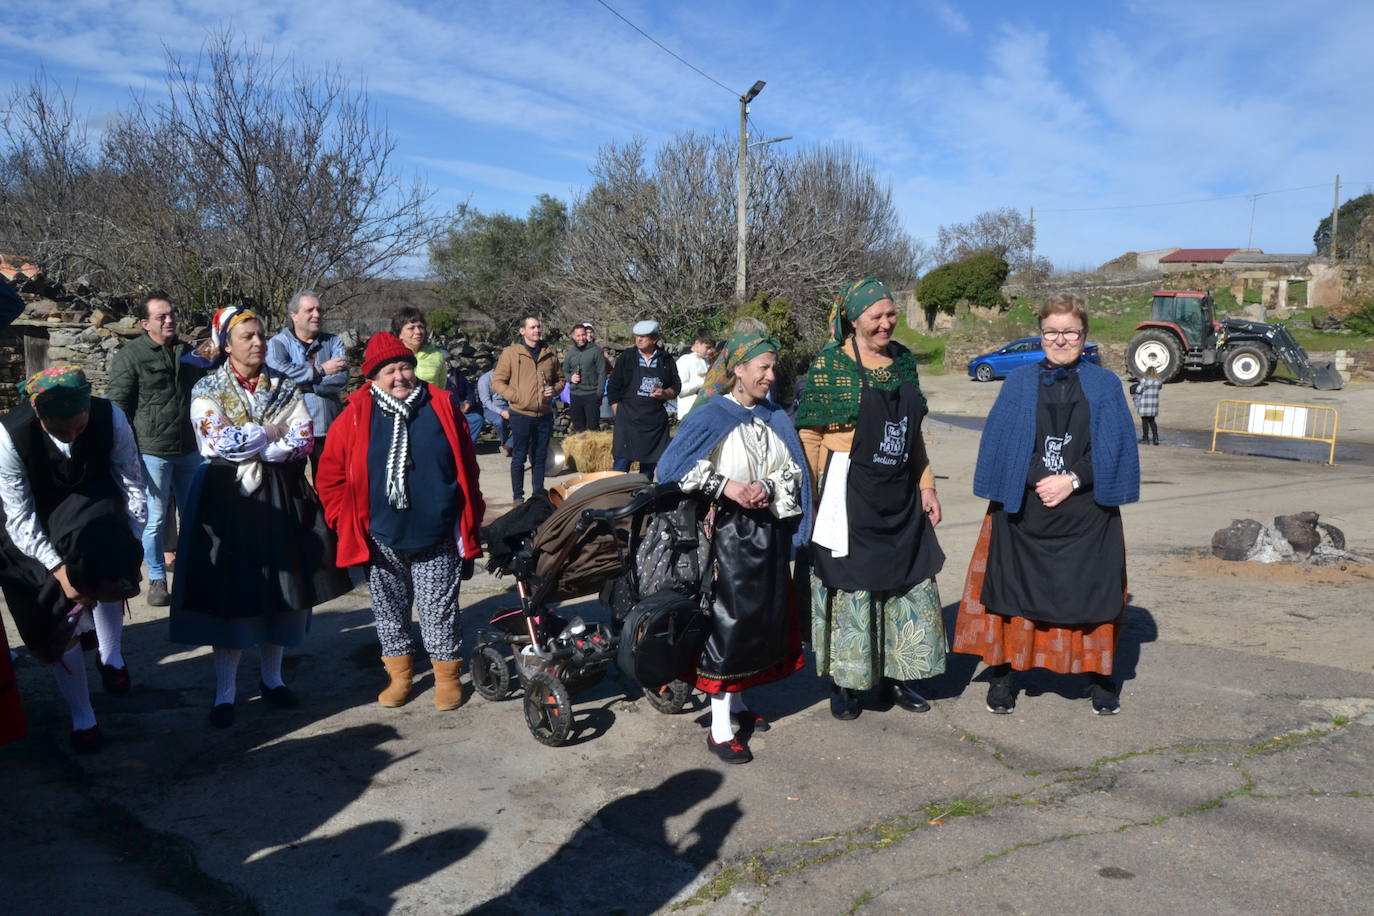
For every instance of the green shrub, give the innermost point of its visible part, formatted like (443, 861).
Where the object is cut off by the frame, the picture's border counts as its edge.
(442, 322)
(977, 279)
(1361, 321)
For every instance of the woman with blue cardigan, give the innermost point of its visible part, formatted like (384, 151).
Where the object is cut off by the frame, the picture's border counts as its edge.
(1046, 586)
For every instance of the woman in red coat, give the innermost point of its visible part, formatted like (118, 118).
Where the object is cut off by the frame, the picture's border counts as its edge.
(398, 480)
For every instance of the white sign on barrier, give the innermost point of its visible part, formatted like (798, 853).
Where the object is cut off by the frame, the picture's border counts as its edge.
(1277, 420)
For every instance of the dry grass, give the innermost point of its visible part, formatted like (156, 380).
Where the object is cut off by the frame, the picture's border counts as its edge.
(589, 452)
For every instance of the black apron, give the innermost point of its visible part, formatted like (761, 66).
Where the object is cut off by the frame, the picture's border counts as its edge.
(892, 545)
(641, 421)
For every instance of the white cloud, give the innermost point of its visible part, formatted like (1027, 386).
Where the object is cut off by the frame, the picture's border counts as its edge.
(950, 17)
(500, 178)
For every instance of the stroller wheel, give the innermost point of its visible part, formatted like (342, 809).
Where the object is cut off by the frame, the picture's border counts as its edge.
(670, 698)
(490, 673)
(548, 710)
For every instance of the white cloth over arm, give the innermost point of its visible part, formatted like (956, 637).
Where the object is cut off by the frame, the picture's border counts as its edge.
(21, 513)
(248, 444)
(750, 452)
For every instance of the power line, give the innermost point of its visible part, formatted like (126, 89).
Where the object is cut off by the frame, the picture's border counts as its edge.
(665, 48)
(1178, 203)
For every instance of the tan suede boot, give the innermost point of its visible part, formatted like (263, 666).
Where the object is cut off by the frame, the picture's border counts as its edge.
(398, 667)
(448, 693)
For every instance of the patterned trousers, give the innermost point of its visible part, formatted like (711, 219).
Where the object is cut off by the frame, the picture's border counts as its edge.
(430, 579)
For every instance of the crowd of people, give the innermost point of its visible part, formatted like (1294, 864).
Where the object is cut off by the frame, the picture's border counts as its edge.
(824, 502)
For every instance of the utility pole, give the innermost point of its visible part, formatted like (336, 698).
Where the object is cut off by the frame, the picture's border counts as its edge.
(742, 189)
(1335, 217)
(1031, 263)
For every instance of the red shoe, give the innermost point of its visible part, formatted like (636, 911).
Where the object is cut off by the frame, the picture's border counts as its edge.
(115, 680)
(87, 740)
(732, 751)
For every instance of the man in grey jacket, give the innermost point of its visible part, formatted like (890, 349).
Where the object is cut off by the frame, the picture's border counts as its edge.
(314, 360)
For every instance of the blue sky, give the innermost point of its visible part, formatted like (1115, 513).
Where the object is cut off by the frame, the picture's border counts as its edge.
(961, 107)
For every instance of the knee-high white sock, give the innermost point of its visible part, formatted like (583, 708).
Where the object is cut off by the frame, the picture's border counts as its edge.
(109, 632)
(737, 701)
(226, 674)
(270, 653)
(721, 729)
(71, 682)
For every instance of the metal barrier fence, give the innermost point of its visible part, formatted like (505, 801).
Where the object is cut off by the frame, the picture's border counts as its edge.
(1308, 422)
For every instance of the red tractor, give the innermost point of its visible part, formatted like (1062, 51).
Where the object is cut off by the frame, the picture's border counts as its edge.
(1183, 333)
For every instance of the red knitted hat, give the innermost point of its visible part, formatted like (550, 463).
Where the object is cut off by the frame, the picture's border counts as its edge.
(382, 348)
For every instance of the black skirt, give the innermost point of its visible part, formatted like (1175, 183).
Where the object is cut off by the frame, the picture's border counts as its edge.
(754, 638)
(251, 566)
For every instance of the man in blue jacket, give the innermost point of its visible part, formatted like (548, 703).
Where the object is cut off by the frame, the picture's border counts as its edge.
(315, 361)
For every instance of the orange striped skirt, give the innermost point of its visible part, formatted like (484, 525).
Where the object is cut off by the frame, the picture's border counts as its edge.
(998, 639)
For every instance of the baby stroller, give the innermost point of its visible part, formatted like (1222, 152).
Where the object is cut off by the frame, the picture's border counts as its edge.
(580, 546)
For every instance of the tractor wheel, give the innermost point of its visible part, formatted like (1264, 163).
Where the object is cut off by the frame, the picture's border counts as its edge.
(1246, 365)
(1156, 349)
(983, 373)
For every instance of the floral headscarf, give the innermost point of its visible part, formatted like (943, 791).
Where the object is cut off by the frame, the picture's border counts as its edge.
(740, 347)
(851, 304)
(215, 349)
(58, 392)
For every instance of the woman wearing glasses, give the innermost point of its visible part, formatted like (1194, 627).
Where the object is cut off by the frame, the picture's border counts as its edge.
(1046, 587)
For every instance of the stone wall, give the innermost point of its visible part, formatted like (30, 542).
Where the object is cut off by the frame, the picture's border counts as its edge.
(30, 345)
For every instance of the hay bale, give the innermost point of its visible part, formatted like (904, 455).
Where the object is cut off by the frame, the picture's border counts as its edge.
(589, 451)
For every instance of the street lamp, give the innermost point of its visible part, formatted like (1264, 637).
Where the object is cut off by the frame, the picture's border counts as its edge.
(742, 189)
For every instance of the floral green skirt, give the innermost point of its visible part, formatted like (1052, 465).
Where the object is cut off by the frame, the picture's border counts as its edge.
(861, 637)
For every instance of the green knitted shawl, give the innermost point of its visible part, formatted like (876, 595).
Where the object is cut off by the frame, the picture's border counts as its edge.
(833, 388)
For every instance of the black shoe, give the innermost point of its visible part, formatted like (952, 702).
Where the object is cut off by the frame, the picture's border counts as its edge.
(280, 697)
(1144, 441)
(903, 694)
(115, 680)
(222, 715)
(750, 722)
(87, 740)
(1105, 700)
(844, 703)
(1001, 699)
(157, 593)
(732, 751)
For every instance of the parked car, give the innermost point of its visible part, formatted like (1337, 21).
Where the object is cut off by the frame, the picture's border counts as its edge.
(999, 363)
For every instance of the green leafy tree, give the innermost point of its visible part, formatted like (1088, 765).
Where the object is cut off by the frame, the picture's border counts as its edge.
(1352, 214)
(977, 279)
(496, 264)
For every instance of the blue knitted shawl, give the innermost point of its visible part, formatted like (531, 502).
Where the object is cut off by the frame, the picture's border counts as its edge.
(1004, 453)
(711, 421)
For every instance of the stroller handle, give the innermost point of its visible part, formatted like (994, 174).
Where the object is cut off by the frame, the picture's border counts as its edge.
(638, 503)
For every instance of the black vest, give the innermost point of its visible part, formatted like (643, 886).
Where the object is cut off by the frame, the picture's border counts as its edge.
(52, 475)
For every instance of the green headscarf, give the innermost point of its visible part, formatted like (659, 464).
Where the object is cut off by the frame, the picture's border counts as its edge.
(851, 304)
(739, 347)
(57, 393)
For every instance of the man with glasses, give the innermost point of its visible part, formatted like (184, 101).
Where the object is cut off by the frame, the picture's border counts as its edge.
(151, 384)
(315, 360)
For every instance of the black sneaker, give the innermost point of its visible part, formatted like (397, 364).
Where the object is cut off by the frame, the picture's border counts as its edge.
(157, 593)
(222, 715)
(1001, 699)
(1106, 702)
(750, 722)
(732, 751)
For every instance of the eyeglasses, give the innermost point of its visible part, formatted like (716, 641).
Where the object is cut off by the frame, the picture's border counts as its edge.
(1072, 335)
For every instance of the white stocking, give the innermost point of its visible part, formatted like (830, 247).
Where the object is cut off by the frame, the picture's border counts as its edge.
(721, 729)
(270, 653)
(71, 682)
(109, 631)
(226, 674)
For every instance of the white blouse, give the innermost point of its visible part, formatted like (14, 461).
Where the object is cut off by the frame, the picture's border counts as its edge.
(751, 451)
(249, 444)
(21, 514)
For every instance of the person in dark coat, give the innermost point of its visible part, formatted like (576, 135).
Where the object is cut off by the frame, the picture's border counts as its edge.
(644, 380)
(1046, 586)
(74, 500)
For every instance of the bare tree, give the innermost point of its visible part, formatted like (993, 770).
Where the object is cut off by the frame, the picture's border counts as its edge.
(660, 240)
(1004, 233)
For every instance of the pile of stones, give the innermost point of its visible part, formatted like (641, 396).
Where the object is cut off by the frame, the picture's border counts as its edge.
(1297, 538)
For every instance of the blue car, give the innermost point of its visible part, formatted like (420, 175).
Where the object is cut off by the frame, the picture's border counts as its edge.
(999, 363)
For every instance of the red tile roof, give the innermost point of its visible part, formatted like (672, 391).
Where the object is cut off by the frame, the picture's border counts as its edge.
(1199, 255)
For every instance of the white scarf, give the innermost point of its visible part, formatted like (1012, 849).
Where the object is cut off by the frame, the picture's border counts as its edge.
(398, 456)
